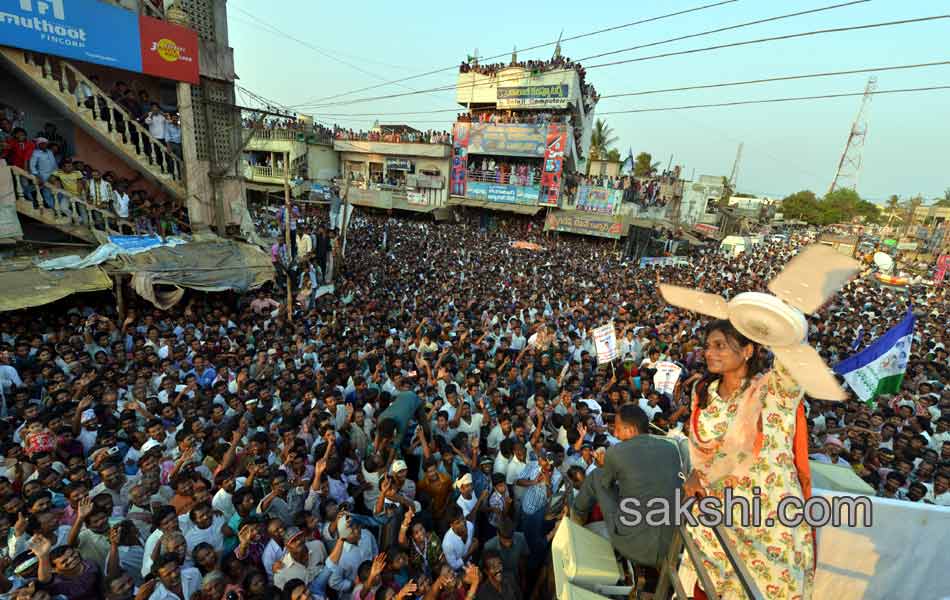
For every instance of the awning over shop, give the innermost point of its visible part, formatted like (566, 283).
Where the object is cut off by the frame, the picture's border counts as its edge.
(208, 266)
(25, 285)
(521, 209)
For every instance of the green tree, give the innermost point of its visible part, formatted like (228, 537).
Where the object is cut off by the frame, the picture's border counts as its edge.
(614, 155)
(643, 165)
(945, 201)
(601, 139)
(802, 205)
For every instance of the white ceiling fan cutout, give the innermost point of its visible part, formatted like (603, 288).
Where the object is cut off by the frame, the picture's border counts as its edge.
(778, 322)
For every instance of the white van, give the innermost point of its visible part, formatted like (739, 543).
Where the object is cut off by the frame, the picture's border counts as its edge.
(734, 245)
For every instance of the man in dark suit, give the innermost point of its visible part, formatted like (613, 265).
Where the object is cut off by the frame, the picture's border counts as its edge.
(641, 467)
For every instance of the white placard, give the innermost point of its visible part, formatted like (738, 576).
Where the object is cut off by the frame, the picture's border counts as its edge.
(605, 341)
(667, 374)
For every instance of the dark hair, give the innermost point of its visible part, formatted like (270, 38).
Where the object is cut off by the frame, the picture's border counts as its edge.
(631, 414)
(737, 341)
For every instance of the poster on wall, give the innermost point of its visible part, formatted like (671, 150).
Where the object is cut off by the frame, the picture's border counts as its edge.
(103, 34)
(553, 165)
(504, 193)
(598, 200)
(459, 173)
(509, 139)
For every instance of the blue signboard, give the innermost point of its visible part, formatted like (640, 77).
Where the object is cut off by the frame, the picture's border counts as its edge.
(86, 30)
(506, 194)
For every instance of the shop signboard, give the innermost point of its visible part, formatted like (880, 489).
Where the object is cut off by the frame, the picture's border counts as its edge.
(585, 224)
(101, 33)
(398, 164)
(598, 200)
(534, 96)
(508, 139)
(432, 182)
(553, 164)
(416, 198)
(505, 194)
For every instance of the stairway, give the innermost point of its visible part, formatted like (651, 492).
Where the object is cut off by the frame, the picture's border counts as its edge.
(71, 215)
(91, 108)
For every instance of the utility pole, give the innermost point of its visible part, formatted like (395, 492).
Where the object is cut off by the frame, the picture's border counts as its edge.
(849, 167)
(287, 234)
(344, 220)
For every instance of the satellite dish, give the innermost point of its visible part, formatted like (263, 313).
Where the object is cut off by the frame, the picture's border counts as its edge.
(777, 321)
(884, 262)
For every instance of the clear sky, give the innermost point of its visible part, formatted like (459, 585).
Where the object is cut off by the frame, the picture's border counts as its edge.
(788, 146)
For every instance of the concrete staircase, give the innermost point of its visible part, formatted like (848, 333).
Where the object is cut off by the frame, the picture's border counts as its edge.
(91, 108)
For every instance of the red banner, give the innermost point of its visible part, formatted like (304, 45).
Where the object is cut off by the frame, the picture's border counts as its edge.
(553, 165)
(168, 50)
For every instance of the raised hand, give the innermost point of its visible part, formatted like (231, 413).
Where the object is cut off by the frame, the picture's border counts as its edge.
(40, 546)
(379, 563)
(84, 509)
(472, 575)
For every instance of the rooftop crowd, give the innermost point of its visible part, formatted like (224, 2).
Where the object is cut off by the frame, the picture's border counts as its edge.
(537, 66)
(398, 137)
(413, 434)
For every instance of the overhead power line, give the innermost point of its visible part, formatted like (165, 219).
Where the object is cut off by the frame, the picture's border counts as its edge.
(775, 100)
(727, 104)
(703, 86)
(260, 23)
(499, 80)
(727, 28)
(529, 49)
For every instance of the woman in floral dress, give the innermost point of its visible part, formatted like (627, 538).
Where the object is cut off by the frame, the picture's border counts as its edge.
(747, 431)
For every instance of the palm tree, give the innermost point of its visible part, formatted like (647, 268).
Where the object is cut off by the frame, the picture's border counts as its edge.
(893, 203)
(601, 139)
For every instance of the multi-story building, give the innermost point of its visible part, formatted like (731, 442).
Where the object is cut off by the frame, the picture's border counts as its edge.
(527, 125)
(140, 101)
(312, 159)
(395, 167)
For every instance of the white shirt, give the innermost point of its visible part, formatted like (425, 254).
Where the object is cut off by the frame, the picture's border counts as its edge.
(467, 506)
(223, 503)
(495, 437)
(122, 201)
(190, 583)
(156, 125)
(472, 429)
(272, 553)
(454, 548)
(306, 573)
(512, 473)
(651, 411)
(194, 535)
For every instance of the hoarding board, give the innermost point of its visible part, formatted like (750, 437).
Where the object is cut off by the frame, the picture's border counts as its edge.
(573, 222)
(505, 194)
(534, 96)
(101, 33)
(508, 139)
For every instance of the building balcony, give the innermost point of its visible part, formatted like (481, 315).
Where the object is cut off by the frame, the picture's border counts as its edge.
(394, 148)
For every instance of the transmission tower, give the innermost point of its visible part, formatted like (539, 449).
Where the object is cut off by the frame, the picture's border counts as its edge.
(849, 167)
(735, 168)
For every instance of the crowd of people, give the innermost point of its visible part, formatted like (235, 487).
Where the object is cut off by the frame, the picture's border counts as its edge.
(291, 124)
(398, 137)
(513, 172)
(58, 177)
(647, 193)
(416, 432)
(556, 63)
(509, 116)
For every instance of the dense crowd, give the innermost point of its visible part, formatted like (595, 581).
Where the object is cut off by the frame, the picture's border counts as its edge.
(291, 124)
(398, 137)
(416, 432)
(58, 177)
(537, 66)
(510, 116)
(513, 172)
